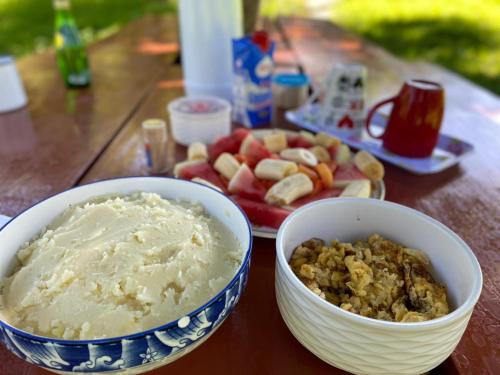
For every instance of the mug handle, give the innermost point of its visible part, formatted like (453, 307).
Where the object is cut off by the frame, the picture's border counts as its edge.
(372, 112)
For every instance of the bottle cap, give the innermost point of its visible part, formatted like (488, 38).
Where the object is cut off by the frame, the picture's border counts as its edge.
(261, 38)
(291, 79)
(154, 124)
(61, 4)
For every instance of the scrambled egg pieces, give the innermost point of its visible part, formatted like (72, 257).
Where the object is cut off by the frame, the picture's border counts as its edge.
(376, 278)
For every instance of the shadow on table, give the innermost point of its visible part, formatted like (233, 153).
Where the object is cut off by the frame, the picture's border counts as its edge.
(408, 188)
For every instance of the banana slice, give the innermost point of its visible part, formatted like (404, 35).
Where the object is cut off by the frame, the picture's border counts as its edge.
(261, 133)
(197, 151)
(358, 188)
(343, 154)
(321, 153)
(289, 189)
(227, 165)
(186, 163)
(300, 155)
(205, 182)
(308, 136)
(369, 165)
(276, 142)
(327, 140)
(274, 169)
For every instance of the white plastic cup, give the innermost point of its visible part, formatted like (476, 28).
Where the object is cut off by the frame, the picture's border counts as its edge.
(207, 30)
(199, 119)
(12, 94)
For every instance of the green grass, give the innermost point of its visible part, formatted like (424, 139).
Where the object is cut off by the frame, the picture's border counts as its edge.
(27, 25)
(275, 8)
(462, 35)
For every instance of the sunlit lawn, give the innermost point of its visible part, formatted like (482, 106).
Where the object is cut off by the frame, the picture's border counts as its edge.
(462, 35)
(27, 25)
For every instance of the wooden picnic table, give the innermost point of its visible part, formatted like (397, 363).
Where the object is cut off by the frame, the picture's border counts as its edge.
(69, 137)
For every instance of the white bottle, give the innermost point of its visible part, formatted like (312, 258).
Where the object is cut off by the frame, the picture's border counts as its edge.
(207, 29)
(12, 94)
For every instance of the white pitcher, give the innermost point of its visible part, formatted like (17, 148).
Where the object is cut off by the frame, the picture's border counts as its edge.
(207, 28)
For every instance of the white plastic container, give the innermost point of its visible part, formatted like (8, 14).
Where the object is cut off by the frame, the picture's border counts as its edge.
(199, 119)
(12, 94)
(207, 29)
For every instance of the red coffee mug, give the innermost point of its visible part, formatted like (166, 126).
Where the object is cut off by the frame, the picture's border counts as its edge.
(413, 126)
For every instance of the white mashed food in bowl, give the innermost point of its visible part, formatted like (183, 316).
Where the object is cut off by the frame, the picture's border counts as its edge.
(117, 265)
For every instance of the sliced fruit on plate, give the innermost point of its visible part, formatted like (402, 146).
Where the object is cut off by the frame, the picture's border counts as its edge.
(274, 169)
(289, 189)
(246, 185)
(186, 163)
(201, 170)
(275, 142)
(343, 154)
(369, 165)
(197, 151)
(230, 143)
(321, 153)
(327, 140)
(227, 165)
(254, 149)
(323, 194)
(325, 174)
(299, 155)
(308, 136)
(206, 183)
(267, 183)
(262, 214)
(346, 173)
(332, 164)
(298, 141)
(309, 172)
(359, 189)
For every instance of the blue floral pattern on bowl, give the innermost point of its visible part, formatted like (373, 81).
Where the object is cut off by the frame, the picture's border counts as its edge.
(135, 353)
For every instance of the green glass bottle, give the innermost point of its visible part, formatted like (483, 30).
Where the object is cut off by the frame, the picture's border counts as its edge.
(70, 51)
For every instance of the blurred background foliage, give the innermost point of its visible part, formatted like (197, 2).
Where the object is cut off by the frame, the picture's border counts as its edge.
(462, 35)
(27, 25)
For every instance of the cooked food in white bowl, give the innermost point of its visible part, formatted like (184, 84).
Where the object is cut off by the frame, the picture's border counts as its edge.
(360, 344)
(121, 275)
(376, 278)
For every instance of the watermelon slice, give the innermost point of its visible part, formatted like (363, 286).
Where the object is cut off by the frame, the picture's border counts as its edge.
(332, 150)
(262, 214)
(254, 149)
(246, 185)
(230, 143)
(204, 171)
(346, 173)
(323, 194)
(298, 141)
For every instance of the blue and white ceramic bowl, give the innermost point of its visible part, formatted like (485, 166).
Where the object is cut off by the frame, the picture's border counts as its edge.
(141, 351)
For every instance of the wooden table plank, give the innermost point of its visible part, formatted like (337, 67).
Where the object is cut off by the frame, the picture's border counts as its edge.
(466, 197)
(47, 146)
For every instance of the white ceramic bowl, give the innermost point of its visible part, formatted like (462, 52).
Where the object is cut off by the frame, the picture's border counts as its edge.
(362, 345)
(142, 351)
